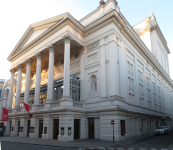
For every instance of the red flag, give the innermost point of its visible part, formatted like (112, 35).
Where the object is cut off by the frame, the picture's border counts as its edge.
(27, 109)
(5, 114)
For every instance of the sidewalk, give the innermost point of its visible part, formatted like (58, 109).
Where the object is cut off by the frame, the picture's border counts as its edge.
(84, 143)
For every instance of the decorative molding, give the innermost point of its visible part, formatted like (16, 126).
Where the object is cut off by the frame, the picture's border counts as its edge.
(19, 67)
(67, 38)
(75, 66)
(51, 48)
(28, 61)
(39, 55)
(93, 46)
(92, 58)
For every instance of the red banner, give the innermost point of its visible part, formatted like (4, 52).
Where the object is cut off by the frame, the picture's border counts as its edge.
(5, 114)
(27, 109)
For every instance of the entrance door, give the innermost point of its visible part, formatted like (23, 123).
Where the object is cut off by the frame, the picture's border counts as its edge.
(18, 127)
(91, 128)
(55, 128)
(28, 128)
(76, 128)
(40, 128)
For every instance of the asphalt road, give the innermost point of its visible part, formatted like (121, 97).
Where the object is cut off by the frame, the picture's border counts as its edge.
(19, 146)
(158, 142)
(155, 142)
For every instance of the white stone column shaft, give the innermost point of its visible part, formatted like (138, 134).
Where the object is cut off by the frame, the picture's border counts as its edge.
(38, 79)
(27, 83)
(19, 78)
(66, 92)
(10, 98)
(51, 73)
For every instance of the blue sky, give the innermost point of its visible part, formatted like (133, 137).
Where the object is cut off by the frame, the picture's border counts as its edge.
(16, 15)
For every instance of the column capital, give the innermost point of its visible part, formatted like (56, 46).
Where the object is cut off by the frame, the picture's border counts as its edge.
(19, 67)
(28, 61)
(39, 55)
(12, 70)
(51, 48)
(67, 38)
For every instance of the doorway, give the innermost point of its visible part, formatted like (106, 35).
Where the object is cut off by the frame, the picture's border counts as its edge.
(40, 128)
(55, 128)
(91, 128)
(28, 128)
(76, 128)
(18, 128)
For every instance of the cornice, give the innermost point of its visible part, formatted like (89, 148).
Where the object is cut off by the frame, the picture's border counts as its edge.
(157, 29)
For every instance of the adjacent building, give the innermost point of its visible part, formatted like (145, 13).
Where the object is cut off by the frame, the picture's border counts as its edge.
(77, 76)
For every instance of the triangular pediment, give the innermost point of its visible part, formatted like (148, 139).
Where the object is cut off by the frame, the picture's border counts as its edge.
(34, 31)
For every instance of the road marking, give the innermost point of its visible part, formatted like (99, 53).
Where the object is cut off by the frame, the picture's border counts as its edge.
(130, 148)
(156, 141)
(120, 148)
(164, 149)
(142, 149)
(153, 149)
(110, 148)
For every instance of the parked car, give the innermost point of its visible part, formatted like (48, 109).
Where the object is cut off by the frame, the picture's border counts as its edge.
(161, 130)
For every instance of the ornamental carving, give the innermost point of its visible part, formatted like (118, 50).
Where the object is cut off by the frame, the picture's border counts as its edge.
(93, 46)
(51, 48)
(92, 58)
(67, 38)
(75, 66)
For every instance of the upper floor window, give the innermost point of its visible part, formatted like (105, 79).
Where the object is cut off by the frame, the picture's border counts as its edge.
(140, 74)
(154, 86)
(148, 81)
(130, 67)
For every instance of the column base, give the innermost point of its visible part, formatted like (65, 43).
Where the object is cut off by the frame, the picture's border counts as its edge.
(45, 136)
(21, 134)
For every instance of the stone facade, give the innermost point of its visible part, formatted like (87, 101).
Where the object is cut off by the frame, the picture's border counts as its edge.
(118, 78)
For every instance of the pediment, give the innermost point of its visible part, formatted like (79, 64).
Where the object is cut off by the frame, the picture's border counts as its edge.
(34, 31)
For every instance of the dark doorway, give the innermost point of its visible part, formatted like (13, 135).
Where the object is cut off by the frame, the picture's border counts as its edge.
(28, 128)
(55, 128)
(18, 128)
(123, 127)
(76, 128)
(40, 128)
(91, 128)
(10, 125)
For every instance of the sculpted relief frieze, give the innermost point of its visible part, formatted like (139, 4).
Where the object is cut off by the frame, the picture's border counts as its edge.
(93, 46)
(92, 58)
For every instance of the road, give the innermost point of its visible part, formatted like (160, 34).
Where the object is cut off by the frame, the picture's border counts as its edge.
(159, 142)
(155, 142)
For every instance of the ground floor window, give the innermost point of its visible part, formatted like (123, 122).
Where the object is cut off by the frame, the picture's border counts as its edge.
(123, 127)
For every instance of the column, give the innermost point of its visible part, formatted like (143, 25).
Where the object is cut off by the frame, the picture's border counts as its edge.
(10, 98)
(102, 68)
(51, 49)
(27, 83)
(38, 79)
(67, 40)
(19, 78)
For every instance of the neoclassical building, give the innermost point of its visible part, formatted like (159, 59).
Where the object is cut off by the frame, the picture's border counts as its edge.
(77, 76)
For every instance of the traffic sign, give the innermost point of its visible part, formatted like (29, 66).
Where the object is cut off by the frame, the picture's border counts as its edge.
(112, 122)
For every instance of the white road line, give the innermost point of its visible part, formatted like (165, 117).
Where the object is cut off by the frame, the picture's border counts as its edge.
(153, 149)
(110, 148)
(142, 149)
(120, 148)
(156, 141)
(130, 148)
(164, 149)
